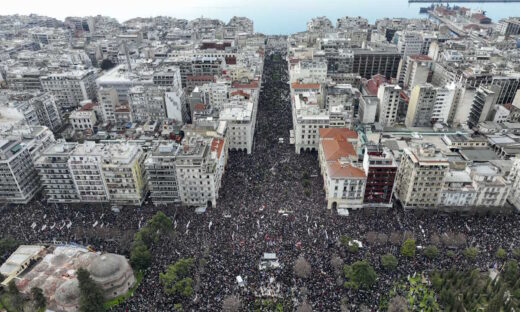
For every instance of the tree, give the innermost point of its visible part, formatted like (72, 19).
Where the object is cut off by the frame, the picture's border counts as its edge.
(302, 268)
(91, 296)
(140, 257)
(38, 298)
(501, 253)
(389, 262)
(471, 253)
(359, 275)
(408, 248)
(511, 271)
(176, 280)
(178, 307)
(516, 253)
(431, 252)
(107, 64)
(348, 243)
(231, 304)
(160, 223)
(398, 304)
(16, 297)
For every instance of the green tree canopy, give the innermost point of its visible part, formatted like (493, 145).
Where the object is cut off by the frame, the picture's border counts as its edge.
(91, 295)
(501, 253)
(408, 248)
(360, 274)
(389, 261)
(471, 253)
(140, 257)
(38, 298)
(176, 280)
(431, 252)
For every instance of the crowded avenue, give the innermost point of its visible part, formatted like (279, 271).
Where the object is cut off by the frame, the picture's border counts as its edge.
(271, 201)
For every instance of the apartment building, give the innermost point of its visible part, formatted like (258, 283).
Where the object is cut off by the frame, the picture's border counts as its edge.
(491, 186)
(428, 105)
(200, 165)
(55, 175)
(162, 174)
(124, 173)
(380, 169)
(71, 88)
(85, 167)
(240, 119)
(389, 97)
(19, 180)
(420, 177)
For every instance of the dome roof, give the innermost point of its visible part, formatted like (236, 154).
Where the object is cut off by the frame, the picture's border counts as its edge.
(59, 260)
(68, 292)
(106, 265)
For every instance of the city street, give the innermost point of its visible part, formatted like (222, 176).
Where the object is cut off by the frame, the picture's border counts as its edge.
(270, 202)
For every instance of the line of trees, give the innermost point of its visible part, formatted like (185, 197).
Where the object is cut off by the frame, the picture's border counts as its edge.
(140, 256)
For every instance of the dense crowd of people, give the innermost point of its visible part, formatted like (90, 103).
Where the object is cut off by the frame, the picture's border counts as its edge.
(264, 207)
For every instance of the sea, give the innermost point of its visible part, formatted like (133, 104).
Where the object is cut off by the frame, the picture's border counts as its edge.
(286, 17)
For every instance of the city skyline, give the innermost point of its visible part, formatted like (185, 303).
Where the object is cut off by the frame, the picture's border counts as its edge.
(271, 17)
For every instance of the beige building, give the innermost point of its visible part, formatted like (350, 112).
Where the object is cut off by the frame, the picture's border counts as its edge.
(200, 166)
(421, 176)
(343, 176)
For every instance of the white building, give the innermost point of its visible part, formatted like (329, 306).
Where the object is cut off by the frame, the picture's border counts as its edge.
(491, 186)
(388, 96)
(55, 176)
(108, 100)
(343, 176)
(20, 180)
(200, 166)
(240, 119)
(38, 109)
(429, 104)
(514, 177)
(457, 191)
(85, 167)
(368, 109)
(81, 120)
(309, 70)
(71, 88)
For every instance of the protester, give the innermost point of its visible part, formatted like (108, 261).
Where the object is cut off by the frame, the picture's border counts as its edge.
(263, 206)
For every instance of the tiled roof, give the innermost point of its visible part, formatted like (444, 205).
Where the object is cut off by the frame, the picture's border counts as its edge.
(334, 132)
(296, 85)
(337, 170)
(337, 148)
(216, 146)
